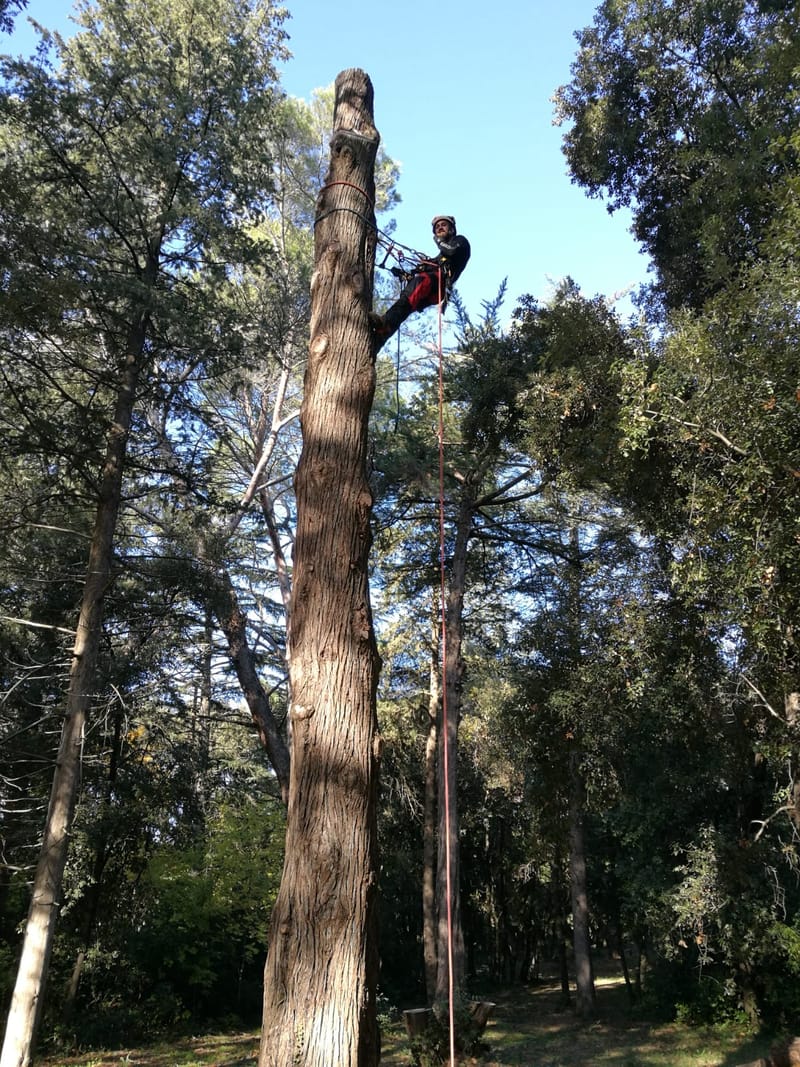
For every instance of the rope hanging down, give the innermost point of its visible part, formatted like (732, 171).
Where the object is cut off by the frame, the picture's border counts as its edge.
(445, 741)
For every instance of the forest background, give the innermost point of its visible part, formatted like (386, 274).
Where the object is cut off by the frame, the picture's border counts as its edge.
(627, 487)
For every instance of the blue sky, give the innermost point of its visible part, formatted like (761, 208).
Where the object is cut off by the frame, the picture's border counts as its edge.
(463, 103)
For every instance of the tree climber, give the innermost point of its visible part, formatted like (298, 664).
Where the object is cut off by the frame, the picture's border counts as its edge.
(423, 286)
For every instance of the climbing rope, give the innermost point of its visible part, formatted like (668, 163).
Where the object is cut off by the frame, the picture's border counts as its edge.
(445, 740)
(397, 386)
(350, 185)
(393, 249)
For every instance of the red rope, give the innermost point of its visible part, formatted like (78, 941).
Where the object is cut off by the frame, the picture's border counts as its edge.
(445, 741)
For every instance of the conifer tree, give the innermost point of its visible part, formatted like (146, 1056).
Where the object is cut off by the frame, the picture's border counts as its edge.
(126, 166)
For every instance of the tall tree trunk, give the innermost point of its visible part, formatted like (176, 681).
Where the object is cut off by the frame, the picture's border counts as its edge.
(91, 902)
(506, 946)
(581, 941)
(429, 918)
(27, 1001)
(563, 962)
(450, 971)
(102, 855)
(792, 708)
(321, 971)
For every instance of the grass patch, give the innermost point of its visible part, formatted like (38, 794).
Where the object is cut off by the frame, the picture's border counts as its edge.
(528, 1029)
(216, 1050)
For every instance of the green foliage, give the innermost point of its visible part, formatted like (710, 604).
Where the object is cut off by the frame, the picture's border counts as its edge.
(8, 9)
(661, 641)
(208, 909)
(686, 112)
(708, 460)
(779, 978)
(712, 1002)
(185, 942)
(570, 345)
(718, 409)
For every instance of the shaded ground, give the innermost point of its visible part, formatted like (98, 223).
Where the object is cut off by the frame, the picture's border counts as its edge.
(223, 1050)
(528, 1029)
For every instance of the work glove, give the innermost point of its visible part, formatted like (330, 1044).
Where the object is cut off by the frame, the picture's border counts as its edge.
(398, 272)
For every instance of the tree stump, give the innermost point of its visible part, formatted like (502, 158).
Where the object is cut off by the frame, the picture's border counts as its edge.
(479, 1011)
(417, 1021)
(426, 1029)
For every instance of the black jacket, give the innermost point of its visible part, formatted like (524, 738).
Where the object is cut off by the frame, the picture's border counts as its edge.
(452, 257)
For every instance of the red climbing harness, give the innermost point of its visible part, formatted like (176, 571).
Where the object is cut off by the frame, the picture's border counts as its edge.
(427, 291)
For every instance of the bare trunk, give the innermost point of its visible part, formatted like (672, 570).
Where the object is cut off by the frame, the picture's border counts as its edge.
(581, 940)
(26, 1004)
(584, 976)
(640, 977)
(429, 823)
(450, 971)
(321, 971)
(792, 708)
(623, 961)
(91, 902)
(563, 963)
(233, 624)
(507, 948)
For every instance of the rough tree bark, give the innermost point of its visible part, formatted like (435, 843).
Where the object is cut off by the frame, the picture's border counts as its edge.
(321, 970)
(429, 945)
(581, 939)
(448, 813)
(26, 1004)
